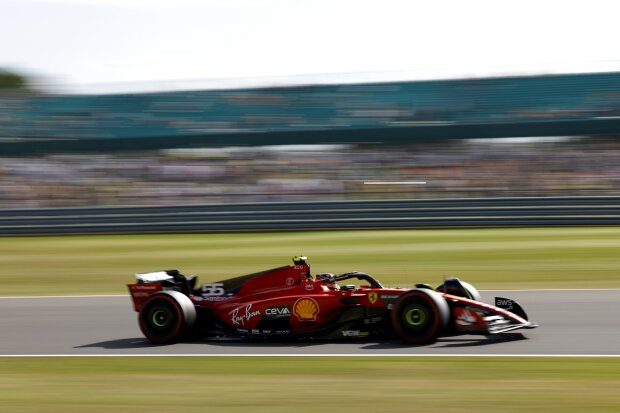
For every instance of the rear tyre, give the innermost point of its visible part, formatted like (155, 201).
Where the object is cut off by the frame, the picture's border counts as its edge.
(420, 316)
(167, 317)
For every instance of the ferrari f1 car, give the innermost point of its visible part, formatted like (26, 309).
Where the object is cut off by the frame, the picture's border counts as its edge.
(288, 302)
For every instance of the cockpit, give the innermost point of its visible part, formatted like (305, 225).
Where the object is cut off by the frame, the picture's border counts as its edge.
(331, 281)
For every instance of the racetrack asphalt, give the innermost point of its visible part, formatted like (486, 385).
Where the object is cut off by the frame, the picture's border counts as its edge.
(572, 322)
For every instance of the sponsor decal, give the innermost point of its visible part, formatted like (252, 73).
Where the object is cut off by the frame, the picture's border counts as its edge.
(465, 317)
(390, 306)
(256, 331)
(354, 333)
(306, 309)
(278, 312)
(372, 297)
(290, 281)
(139, 292)
(389, 296)
(216, 298)
(241, 315)
(142, 294)
(213, 289)
(143, 290)
(309, 287)
(268, 332)
(504, 303)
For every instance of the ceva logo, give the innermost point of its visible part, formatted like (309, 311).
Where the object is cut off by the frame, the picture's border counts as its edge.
(278, 312)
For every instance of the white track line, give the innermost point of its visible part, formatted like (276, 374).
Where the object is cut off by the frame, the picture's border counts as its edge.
(394, 182)
(63, 296)
(557, 289)
(314, 355)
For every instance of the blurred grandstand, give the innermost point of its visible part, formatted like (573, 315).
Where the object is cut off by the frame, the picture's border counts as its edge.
(56, 149)
(511, 106)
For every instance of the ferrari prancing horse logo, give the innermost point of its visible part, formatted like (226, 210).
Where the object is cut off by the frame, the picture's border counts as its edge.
(372, 297)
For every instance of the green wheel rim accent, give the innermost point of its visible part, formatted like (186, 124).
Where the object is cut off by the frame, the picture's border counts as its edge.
(160, 318)
(415, 317)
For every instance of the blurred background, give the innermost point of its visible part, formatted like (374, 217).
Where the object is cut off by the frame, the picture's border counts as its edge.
(534, 135)
(109, 102)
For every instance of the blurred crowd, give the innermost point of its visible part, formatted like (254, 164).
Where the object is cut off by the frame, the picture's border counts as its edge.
(459, 168)
(28, 116)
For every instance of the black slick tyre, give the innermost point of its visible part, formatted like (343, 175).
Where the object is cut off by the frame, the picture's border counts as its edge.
(420, 316)
(166, 317)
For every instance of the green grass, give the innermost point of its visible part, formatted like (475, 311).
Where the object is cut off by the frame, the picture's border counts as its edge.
(274, 385)
(489, 258)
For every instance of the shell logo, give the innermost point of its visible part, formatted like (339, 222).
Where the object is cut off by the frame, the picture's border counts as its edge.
(306, 309)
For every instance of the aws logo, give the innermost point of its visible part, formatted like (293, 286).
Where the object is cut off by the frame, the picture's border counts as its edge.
(306, 309)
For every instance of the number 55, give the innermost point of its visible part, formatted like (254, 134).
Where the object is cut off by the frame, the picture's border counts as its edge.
(212, 289)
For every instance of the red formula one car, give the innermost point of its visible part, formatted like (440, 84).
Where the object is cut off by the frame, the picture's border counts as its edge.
(287, 302)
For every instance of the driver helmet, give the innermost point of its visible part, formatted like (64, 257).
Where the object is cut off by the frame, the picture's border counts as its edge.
(326, 277)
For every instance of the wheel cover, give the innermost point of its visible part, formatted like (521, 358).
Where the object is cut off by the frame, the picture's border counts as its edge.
(161, 318)
(415, 317)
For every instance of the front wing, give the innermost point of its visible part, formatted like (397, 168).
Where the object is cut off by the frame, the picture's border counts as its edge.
(471, 316)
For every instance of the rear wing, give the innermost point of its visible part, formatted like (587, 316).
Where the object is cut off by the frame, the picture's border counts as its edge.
(148, 283)
(157, 276)
(140, 292)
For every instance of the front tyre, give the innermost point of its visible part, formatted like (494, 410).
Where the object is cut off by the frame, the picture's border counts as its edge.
(420, 316)
(166, 317)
